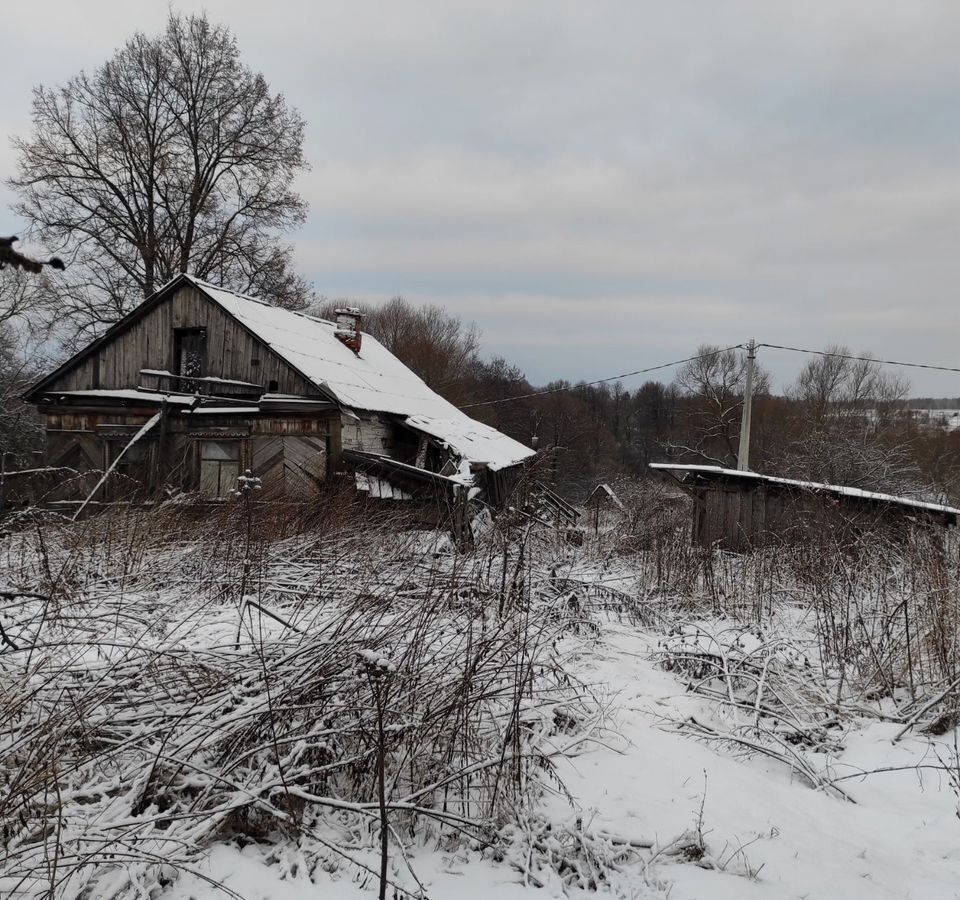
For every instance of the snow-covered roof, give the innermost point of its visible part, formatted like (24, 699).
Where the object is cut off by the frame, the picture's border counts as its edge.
(373, 380)
(841, 490)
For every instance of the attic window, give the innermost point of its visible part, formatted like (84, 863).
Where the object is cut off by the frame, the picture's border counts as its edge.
(190, 351)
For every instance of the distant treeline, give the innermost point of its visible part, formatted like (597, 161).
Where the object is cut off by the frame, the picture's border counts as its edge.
(934, 403)
(842, 421)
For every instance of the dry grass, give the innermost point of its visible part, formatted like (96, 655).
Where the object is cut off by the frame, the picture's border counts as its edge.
(802, 641)
(341, 683)
(172, 681)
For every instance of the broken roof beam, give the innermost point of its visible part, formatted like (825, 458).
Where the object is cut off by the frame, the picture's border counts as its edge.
(386, 465)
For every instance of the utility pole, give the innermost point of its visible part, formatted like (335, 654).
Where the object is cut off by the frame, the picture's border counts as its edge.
(743, 451)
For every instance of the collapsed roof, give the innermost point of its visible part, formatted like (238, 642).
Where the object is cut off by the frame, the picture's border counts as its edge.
(372, 380)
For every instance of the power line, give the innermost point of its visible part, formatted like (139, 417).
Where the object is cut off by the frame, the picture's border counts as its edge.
(583, 384)
(679, 362)
(873, 359)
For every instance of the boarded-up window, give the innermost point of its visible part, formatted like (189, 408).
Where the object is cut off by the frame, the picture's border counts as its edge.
(219, 468)
(131, 453)
(134, 464)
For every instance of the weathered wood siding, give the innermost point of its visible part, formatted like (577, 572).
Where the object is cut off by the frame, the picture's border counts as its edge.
(735, 518)
(290, 466)
(738, 518)
(149, 344)
(292, 454)
(370, 433)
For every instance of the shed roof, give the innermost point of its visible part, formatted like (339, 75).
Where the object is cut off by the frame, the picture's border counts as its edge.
(706, 473)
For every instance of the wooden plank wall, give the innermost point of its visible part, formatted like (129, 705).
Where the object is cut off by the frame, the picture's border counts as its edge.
(148, 344)
(80, 454)
(369, 433)
(289, 465)
(734, 519)
(78, 441)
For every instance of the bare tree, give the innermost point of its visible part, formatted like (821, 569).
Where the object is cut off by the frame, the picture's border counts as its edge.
(441, 346)
(25, 298)
(855, 460)
(834, 388)
(21, 431)
(171, 157)
(845, 429)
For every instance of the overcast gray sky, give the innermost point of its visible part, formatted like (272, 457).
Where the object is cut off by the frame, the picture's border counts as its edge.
(603, 185)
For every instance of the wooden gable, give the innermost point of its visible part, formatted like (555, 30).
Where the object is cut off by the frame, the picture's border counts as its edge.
(147, 339)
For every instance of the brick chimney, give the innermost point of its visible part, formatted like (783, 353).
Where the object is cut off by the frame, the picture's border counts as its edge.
(348, 327)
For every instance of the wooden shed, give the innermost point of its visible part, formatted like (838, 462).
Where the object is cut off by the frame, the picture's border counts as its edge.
(735, 510)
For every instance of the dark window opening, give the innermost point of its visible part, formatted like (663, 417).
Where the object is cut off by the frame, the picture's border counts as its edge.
(273, 386)
(190, 352)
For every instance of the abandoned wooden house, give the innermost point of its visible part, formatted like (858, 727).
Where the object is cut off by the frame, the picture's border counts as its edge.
(735, 509)
(216, 383)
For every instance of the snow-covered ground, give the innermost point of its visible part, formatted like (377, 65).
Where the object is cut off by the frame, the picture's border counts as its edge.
(765, 833)
(948, 419)
(665, 746)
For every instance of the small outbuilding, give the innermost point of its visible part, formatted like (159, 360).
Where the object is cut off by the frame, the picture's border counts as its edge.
(602, 504)
(735, 509)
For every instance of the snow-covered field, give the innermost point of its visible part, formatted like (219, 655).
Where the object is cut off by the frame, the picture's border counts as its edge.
(948, 419)
(186, 721)
(766, 834)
